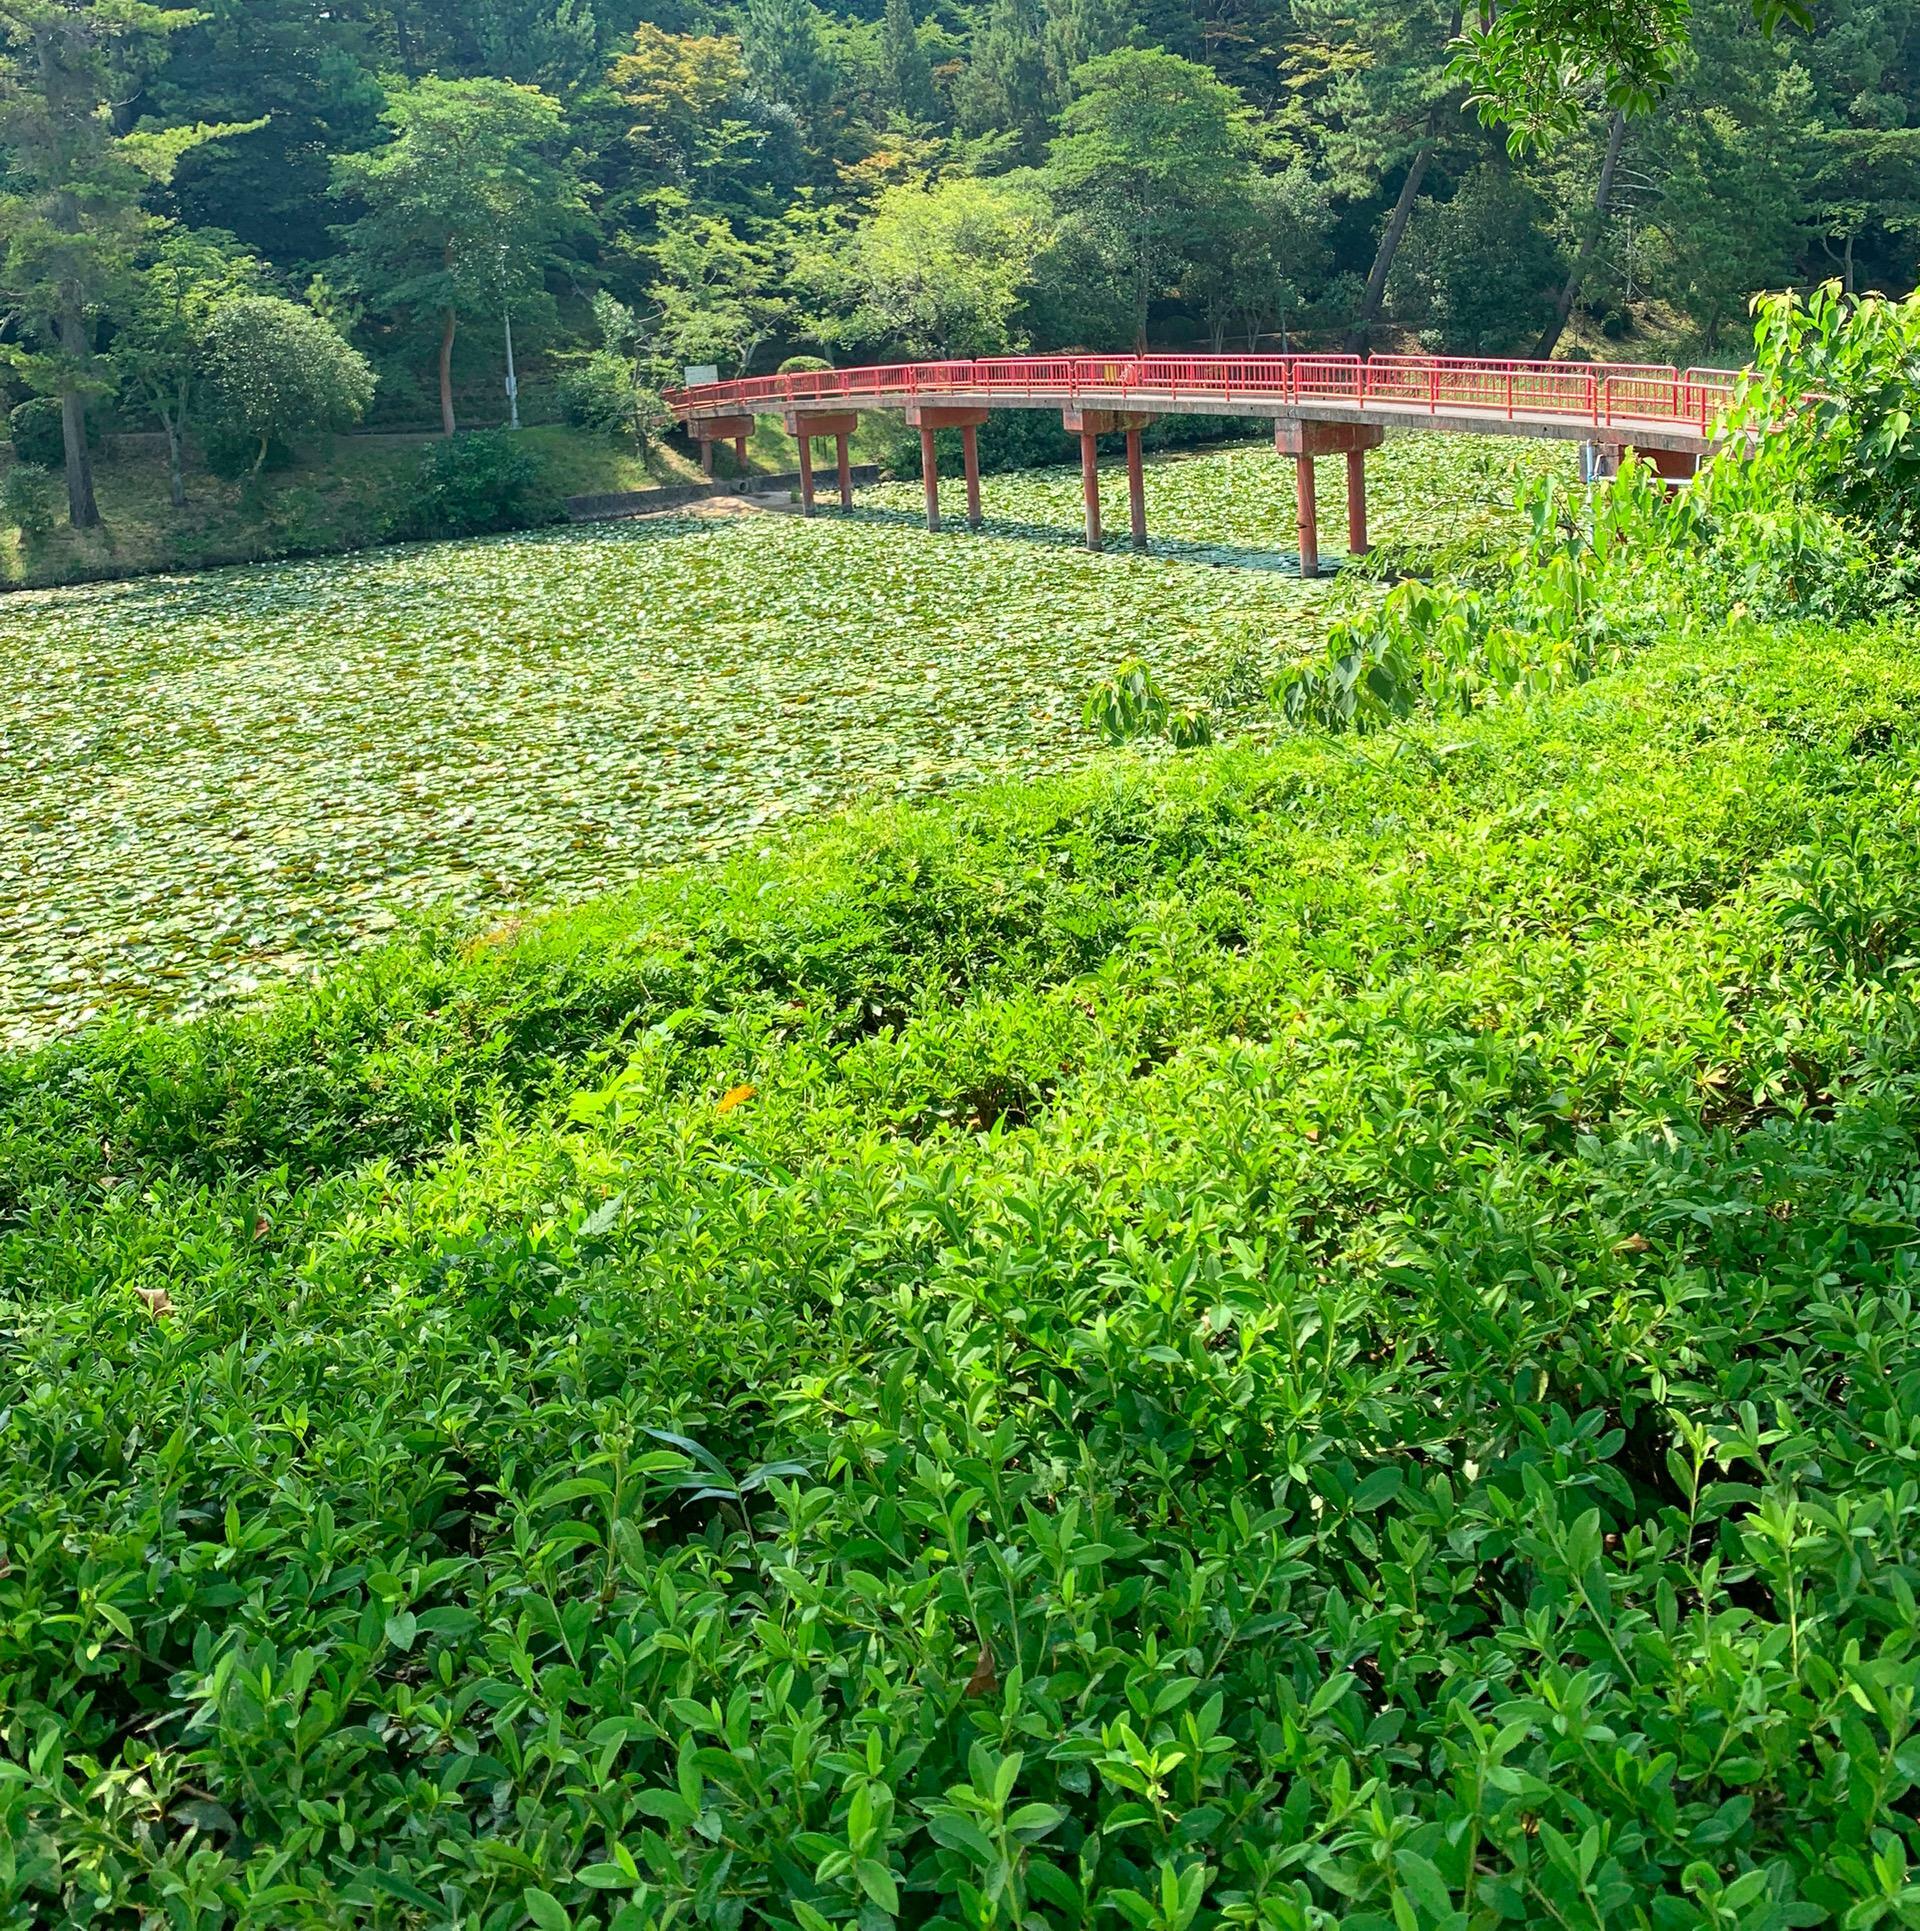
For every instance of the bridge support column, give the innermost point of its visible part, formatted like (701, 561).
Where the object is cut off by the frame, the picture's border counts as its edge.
(1357, 544)
(1090, 485)
(708, 430)
(965, 417)
(806, 475)
(1303, 441)
(1136, 490)
(930, 477)
(846, 471)
(1090, 425)
(803, 425)
(1672, 466)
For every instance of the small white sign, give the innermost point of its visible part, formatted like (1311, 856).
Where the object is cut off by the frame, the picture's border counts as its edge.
(699, 373)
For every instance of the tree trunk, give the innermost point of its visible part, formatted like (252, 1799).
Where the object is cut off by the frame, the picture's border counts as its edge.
(176, 473)
(1390, 246)
(1589, 243)
(82, 511)
(449, 322)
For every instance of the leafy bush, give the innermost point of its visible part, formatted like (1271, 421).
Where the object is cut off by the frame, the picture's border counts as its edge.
(1835, 378)
(804, 365)
(276, 371)
(27, 502)
(475, 484)
(602, 394)
(1130, 705)
(1127, 705)
(1033, 439)
(598, 393)
(1275, 1339)
(1582, 592)
(39, 437)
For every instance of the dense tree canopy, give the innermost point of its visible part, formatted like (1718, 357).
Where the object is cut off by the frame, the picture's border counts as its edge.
(751, 178)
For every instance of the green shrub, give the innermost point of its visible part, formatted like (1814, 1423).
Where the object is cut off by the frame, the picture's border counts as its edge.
(1835, 380)
(804, 365)
(1033, 439)
(475, 484)
(27, 502)
(1282, 1339)
(598, 394)
(38, 435)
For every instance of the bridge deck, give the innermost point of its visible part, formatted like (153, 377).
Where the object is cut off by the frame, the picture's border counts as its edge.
(1653, 407)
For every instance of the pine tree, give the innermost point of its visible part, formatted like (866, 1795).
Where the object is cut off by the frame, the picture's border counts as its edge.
(75, 217)
(908, 70)
(1005, 90)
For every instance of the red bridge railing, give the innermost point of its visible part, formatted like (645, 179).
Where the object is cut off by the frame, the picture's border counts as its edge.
(1593, 393)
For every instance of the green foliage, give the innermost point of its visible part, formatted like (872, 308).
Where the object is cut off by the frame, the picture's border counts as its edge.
(35, 429)
(160, 350)
(602, 393)
(1440, 284)
(73, 196)
(941, 271)
(26, 501)
(1534, 64)
(460, 209)
(1127, 705)
(475, 484)
(1567, 605)
(276, 371)
(1130, 705)
(1838, 379)
(1282, 1337)
(1150, 148)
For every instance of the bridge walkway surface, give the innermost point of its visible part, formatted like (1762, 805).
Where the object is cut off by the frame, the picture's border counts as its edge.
(1319, 405)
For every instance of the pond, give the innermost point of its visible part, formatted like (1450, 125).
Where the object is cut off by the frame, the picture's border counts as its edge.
(213, 782)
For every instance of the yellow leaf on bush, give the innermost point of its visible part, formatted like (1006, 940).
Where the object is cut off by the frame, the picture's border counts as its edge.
(734, 1096)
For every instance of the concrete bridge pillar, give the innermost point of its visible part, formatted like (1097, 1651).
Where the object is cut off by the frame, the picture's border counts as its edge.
(965, 417)
(1303, 441)
(803, 425)
(1090, 425)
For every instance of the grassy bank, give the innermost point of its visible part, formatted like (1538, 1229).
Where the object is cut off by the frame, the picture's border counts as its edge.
(1300, 1335)
(339, 496)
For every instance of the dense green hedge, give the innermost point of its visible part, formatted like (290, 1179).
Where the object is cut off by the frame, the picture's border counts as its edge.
(1033, 438)
(1296, 1337)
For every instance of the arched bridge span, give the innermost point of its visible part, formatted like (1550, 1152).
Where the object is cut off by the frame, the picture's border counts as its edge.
(1320, 405)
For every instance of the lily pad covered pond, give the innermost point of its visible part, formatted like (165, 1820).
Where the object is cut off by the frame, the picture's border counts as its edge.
(211, 782)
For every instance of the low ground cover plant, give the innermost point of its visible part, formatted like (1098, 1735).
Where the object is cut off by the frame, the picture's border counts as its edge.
(1309, 1335)
(1315, 1333)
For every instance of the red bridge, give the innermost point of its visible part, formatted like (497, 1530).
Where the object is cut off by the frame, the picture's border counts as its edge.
(1320, 405)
